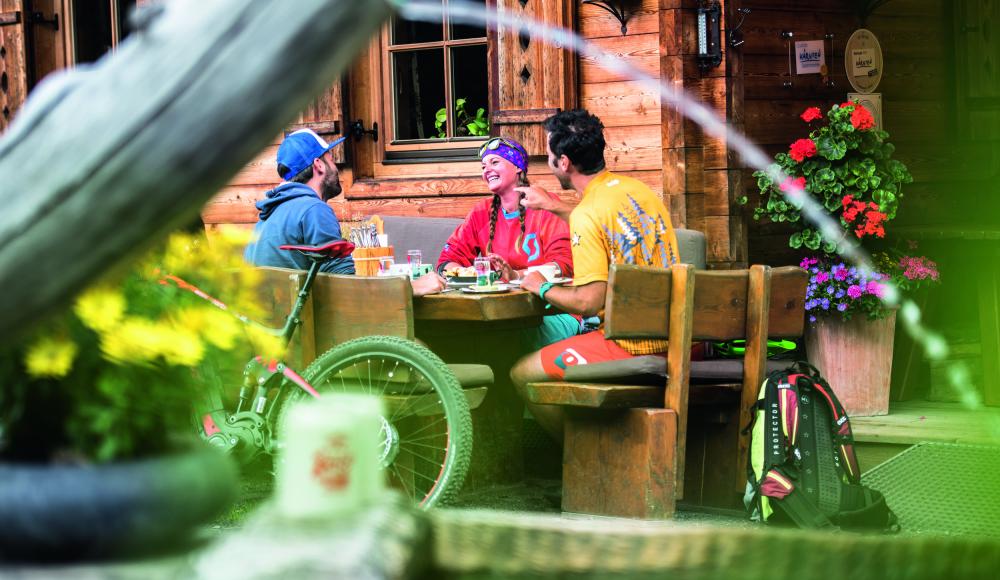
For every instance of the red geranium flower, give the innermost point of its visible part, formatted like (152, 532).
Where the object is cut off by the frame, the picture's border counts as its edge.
(862, 119)
(848, 104)
(802, 149)
(811, 114)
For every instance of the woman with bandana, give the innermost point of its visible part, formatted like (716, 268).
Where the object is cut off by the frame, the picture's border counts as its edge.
(513, 237)
(500, 228)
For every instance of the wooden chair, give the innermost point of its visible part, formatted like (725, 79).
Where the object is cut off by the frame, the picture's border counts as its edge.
(341, 308)
(625, 443)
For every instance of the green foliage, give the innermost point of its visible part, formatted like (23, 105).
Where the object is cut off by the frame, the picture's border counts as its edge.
(852, 167)
(467, 125)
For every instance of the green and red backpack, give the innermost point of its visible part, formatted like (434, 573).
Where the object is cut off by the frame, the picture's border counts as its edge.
(802, 468)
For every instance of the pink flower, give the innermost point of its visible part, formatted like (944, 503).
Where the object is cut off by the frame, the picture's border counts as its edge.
(855, 291)
(811, 114)
(802, 149)
(918, 268)
(822, 277)
(840, 273)
(806, 262)
(875, 289)
(790, 183)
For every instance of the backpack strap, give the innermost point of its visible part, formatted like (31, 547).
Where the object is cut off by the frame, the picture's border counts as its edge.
(781, 489)
(840, 430)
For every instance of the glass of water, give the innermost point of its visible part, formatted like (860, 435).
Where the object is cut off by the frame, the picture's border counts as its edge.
(414, 258)
(482, 266)
(384, 265)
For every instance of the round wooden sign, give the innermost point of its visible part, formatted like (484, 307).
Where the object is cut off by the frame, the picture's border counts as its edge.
(863, 60)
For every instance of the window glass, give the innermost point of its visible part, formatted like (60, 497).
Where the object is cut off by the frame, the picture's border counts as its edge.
(469, 79)
(410, 32)
(463, 31)
(418, 89)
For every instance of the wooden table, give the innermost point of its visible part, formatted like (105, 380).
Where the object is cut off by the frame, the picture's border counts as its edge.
(485, 329)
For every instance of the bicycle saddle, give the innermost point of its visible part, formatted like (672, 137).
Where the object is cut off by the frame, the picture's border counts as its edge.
(331, 251)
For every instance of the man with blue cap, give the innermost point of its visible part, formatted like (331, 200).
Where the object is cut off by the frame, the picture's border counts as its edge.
(296, 212)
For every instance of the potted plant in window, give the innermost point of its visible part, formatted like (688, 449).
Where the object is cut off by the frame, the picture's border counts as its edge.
(845, 165)
(98, 452)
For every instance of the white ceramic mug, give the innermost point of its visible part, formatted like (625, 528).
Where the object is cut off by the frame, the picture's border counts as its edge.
(549, 271)
(329, 463)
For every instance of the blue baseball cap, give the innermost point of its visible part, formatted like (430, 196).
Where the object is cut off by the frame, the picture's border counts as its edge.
(300, 149)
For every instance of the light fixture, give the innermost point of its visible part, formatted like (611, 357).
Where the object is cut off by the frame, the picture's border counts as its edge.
(709, 36)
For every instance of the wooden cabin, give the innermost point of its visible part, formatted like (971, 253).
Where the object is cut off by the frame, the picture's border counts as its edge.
(411, 99)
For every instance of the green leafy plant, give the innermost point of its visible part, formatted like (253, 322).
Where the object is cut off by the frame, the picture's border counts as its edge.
(846, 166)
(467, 125)
(115, 376)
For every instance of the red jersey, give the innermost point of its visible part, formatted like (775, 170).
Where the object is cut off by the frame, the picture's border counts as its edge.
(545, 240)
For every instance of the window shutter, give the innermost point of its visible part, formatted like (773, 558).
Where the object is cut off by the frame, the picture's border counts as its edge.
(533, 78)
(13, 64)
(325, 116)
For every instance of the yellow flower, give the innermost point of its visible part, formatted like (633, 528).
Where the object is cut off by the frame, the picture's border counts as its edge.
(140, 341)
(50, 357)
(217, 327)
(100, 308)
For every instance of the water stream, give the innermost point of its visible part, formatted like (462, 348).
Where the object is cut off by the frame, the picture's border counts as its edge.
(934, 346)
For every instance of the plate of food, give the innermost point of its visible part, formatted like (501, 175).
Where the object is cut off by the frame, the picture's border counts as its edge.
(460, 276)
(494, 289)
(556, 281)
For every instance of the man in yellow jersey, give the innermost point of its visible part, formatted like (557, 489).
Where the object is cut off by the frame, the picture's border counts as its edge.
(618, 221)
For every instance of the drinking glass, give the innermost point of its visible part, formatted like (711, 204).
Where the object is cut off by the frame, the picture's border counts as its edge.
(414, 258)
(482, 266)
(384, 265)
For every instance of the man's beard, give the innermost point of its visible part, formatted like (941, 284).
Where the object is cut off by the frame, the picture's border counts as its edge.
(564, 181)
(330, 187)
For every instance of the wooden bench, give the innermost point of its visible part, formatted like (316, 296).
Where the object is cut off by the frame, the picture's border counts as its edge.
(627, 421)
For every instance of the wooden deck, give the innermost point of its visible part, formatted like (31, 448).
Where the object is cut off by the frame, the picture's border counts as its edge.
(910, 422)
(915, 421)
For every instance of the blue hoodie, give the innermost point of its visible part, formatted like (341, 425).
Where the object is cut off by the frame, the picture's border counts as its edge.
(293, 214)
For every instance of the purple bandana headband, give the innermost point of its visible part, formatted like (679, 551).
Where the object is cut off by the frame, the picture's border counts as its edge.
(508, 149)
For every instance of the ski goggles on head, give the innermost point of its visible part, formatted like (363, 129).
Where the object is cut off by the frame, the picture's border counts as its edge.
(508, 149)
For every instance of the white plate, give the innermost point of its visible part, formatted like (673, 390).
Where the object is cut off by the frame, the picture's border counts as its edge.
(495, 289)
(557, 281)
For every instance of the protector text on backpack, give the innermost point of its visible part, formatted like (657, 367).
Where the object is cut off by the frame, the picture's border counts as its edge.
(802, 466)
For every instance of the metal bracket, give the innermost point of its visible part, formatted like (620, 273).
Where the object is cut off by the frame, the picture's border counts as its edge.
(10, 18)
(616, 8)
(735, 36)
(39, 19)
(358, 130)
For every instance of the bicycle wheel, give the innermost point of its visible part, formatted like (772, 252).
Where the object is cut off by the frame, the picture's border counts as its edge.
(426, 438)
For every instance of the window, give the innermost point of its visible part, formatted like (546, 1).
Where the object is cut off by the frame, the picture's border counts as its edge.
(436, 87)
(98, 27)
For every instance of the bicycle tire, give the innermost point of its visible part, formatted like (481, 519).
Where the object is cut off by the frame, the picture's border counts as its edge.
(457, 450)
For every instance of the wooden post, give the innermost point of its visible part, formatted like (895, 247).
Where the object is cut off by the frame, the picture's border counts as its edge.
(104, 160)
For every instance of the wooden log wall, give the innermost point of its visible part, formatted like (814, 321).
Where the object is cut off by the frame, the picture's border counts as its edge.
(630, 112)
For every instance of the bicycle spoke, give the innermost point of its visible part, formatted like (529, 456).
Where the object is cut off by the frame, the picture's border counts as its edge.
(399, 478)
(418, 474)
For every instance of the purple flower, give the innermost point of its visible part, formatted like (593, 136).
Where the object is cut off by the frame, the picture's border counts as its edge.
(825, 304)
(855, 291)
(822, 277)
(842, 306)
(812, 318)
(830, 289)
(839, 294)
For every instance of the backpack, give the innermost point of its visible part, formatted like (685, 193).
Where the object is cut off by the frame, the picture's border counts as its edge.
(802, 467)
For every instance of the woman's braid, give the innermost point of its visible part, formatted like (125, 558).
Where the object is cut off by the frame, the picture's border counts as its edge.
(494, 210)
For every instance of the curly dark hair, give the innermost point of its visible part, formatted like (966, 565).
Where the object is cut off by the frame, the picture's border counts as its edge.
(579, 136)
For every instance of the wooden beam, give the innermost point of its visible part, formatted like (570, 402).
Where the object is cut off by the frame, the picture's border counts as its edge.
(104, 160)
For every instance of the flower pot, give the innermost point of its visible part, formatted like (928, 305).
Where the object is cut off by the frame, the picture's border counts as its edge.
(63, 513)
(855, 357)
